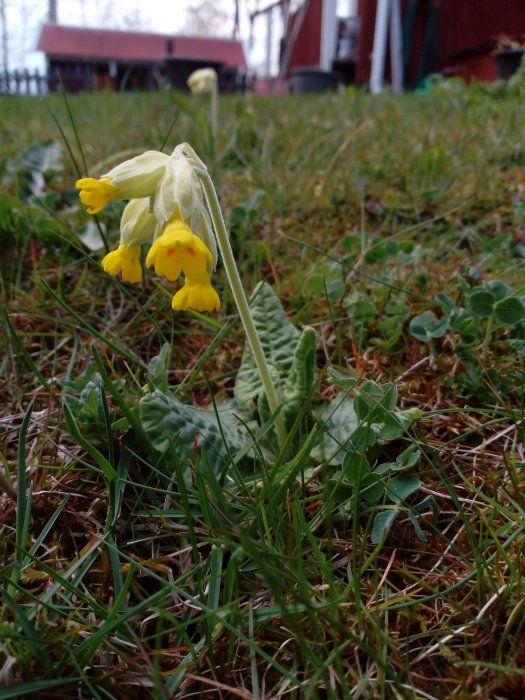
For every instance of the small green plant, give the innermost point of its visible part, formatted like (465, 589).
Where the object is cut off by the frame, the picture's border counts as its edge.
(489, 324)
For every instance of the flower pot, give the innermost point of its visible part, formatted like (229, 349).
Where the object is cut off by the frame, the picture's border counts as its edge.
(507, 62)
(313, 80)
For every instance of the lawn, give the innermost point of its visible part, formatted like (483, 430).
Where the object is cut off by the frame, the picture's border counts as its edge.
(164, 533)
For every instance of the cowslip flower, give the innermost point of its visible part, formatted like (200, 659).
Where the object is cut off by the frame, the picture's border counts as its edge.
(174, 200)
(167, 203)
(203, 80)
(196, 294)
(137, 225)
(179, 251)
(126, 261)
(179, 195)
(136, 177)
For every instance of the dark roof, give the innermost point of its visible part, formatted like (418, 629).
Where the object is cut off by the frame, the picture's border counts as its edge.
(112, 45)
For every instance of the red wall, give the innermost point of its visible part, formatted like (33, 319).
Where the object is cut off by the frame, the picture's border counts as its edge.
(463, 25)
(306, 50)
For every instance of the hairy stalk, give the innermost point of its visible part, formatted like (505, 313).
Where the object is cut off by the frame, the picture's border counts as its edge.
(214, 113)
(238, 291)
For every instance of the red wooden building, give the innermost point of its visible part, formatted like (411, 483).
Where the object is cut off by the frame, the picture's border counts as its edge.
(84, 59)
(455, 37)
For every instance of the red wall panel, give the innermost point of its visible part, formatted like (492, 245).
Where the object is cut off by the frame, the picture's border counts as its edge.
(463, 26)
(306, 50)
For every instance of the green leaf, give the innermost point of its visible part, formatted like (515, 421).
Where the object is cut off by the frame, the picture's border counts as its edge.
(361, 307)
(426, 326)
(396, 423)
(99, 459)
(371, 488)
(279, 339)
(421, 507)
(466, 325)
(373, 401)
(397, 308)
(42, 157)
(167, 420)
(446, 303)
(339, 424)
(405, 460)
(33, 164)
(425, 504)
(382, 524)
(159, 366)
(482, 303)
(417, 527)
(497, 289)
(509, 311)
(400, 487)
(33, 687)
(341, 380)
(299, 382)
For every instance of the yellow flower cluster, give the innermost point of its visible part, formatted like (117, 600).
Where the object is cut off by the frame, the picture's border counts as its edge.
(166, 203)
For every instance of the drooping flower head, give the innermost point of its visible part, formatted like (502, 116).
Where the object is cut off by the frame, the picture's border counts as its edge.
(203, 80)
(167, 203)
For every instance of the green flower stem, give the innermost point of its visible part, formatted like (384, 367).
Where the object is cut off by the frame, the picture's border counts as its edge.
(214, 112)
(239, 294)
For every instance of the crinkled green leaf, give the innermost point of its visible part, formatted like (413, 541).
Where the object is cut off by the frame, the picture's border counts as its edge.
(299, 381)
(417, 527)
(466, 325)
(158, 367)
(33, 164)
(167, 420)
(279, 339)
(45, 156)
(429, 502)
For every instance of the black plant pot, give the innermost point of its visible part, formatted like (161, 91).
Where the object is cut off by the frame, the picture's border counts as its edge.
(507, 62)
(313, 80)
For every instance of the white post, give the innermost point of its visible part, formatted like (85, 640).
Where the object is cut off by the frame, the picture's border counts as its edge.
(269, 22)
(396, 47)
(328, 34)
(380, 37)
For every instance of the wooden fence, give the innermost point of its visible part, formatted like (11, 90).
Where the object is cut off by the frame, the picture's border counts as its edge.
(22, 82)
